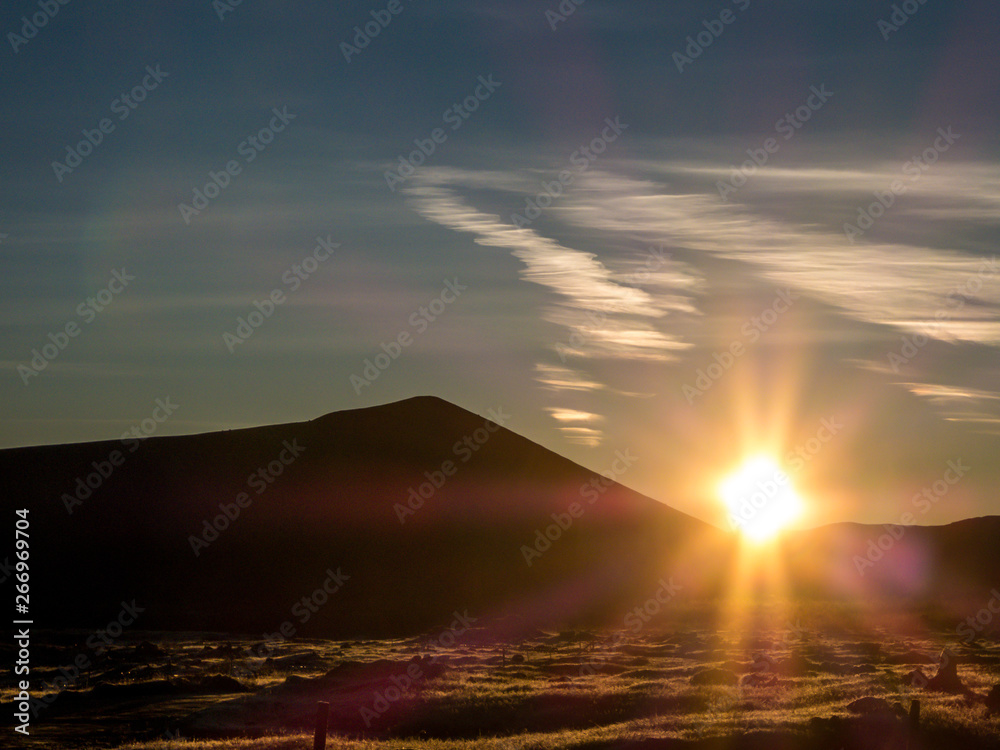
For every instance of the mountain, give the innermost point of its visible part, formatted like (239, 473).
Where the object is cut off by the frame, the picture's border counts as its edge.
(410, 514)
(955, 566)
(409, 511)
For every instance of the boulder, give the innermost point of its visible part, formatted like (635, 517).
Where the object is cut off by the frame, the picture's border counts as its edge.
(946, 680)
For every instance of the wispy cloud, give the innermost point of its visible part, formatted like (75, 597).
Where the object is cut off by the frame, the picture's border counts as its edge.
(588, 289)
(911, 287)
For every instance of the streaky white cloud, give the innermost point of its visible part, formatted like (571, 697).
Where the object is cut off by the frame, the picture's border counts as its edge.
(947, 294)
(563, 378)
(589, 290)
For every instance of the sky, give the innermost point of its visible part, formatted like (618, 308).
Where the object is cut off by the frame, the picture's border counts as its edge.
(688, 232)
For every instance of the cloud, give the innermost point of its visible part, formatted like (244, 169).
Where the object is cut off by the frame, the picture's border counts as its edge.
(563, 378)
(612, 318)
(946, 293)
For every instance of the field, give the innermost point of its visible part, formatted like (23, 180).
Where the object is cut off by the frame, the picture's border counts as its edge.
(669, 686)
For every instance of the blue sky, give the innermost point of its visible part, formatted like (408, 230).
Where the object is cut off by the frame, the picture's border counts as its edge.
(751, 217)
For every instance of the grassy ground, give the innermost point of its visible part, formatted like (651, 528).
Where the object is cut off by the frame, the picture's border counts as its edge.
(552, 691)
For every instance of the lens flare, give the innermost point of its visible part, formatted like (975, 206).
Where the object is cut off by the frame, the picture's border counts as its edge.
(760, 499)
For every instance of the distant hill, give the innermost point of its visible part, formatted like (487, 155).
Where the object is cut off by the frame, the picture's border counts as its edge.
(410, 512)
(957, 564)
(342, 503)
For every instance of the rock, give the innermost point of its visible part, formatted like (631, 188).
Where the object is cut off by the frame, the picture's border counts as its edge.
(759, 680)
(713, 677)
(796, 665)
(916, 678)
(763, 662)
(946, 680)
(993, 699)
(517, 659)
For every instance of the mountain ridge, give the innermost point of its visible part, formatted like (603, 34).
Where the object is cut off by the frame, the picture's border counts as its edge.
(426, 508)
(277, 505)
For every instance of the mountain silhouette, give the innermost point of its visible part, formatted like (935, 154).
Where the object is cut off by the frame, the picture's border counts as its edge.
(425, 508)
(394, 519)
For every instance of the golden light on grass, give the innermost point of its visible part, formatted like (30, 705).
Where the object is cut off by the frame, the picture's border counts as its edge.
(760, 499)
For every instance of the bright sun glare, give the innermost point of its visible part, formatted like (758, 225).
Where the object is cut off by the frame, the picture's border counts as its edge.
(760, 498)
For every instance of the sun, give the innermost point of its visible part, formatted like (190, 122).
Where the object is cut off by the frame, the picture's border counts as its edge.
(760, 499)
